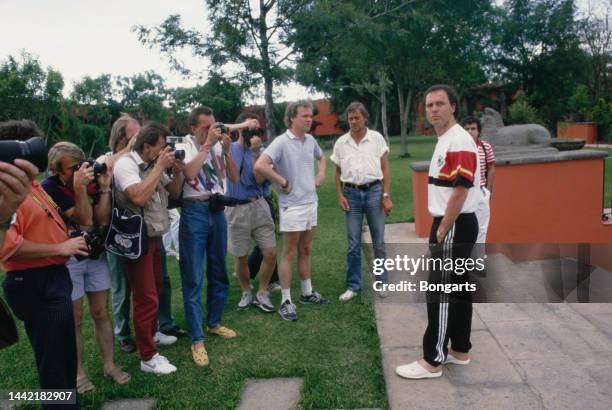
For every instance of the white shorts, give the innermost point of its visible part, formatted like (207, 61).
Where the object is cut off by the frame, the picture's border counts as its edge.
(298, 218)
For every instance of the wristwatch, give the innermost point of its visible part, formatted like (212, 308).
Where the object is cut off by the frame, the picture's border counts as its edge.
(386, 195)
(7, 224)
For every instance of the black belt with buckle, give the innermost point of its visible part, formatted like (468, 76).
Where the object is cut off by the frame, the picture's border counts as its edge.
(363, 187)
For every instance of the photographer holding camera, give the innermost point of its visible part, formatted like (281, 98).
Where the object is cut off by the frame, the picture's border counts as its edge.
(142, 186)
(203, 227)
(37, 284)
(81, 189)
(252, 220)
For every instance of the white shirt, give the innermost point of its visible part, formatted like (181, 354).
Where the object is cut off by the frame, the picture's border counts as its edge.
(127, 171)
(454, 162)
(207, 176)
(360, 163)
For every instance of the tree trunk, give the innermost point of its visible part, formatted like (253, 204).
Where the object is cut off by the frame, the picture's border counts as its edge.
(270, 121)
(383, 114)
(267, 72)
(404, 110)
(376, 112)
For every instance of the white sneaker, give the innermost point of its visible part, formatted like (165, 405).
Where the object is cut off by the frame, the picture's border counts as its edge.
(347, 295)
(158, 364)
(245, 301)
(161, 339)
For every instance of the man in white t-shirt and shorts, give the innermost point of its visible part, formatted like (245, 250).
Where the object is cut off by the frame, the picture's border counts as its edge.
(293, 155)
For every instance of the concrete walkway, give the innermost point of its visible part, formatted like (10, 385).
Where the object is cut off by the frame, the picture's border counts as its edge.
(532, 355)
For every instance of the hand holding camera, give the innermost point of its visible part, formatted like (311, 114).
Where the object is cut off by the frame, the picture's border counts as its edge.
(74, 246)
(165, 159)
(15, 183)
(83, 175)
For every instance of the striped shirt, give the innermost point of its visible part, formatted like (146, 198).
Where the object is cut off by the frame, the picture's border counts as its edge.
(485, 158)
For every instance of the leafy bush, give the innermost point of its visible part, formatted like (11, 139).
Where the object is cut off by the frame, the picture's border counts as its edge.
(602, 114)
(521, 112)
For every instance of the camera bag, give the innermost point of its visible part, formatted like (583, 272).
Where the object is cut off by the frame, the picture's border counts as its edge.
(127, 232)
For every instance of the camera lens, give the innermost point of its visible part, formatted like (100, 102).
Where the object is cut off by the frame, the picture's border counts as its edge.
(33, 150)
(99, 168)
(179, 154)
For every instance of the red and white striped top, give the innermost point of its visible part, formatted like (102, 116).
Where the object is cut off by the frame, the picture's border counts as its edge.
(485, 157)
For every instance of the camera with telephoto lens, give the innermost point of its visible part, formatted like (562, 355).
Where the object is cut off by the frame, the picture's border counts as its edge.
(94, 241)
(222, 127)
(247, 134)
(33, 150)
(171, 141)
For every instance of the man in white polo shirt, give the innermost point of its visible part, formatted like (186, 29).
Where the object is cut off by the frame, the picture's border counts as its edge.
(363, 183)
(293, 155)
(453, 196)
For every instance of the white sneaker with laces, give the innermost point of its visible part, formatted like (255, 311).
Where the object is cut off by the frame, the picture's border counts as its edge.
(161, 339)
(347, 295)
(158, 364)
(245, 301)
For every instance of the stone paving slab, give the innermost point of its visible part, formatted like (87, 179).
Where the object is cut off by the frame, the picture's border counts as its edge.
(525, 340)
(396, 324)
(499, 397)
(563, 384)
(489, 367)
(527, 356)
(6, 405)
(271, 394)
(129, 404)
(500, 312)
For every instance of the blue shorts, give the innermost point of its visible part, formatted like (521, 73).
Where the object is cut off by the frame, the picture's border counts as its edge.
(88, 275)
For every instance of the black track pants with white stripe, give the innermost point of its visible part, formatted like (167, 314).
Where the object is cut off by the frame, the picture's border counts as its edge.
(449, 315)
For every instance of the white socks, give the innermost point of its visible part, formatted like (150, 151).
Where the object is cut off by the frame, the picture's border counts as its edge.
(306, 287)
(286, 295)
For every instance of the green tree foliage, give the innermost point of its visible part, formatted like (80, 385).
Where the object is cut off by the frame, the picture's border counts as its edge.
(537, 47)
(354, 44)
(602, 114)
(249, 34)
(93, 98)
(522, 112)
(143, 95)
(580, 103)
(222, 95)
(29, 91)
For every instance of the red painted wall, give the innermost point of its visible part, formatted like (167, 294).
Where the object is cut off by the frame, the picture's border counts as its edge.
(583, 130)
(554, 202)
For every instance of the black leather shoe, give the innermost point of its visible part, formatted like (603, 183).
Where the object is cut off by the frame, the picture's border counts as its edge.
(127, 346)
(175, 331)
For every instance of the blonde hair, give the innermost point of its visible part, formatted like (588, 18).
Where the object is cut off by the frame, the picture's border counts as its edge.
(119, 130)
(63, 149)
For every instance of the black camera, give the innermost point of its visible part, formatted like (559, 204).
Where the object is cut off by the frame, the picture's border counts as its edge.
(94, 241)
(222, 127)
(33, 150)
(171, 141)
(98, 168)
(247, 134)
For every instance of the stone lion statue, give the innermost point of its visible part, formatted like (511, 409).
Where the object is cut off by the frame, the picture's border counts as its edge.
(495, 132)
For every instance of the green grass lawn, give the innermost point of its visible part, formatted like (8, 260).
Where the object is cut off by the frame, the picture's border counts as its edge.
(335, 348)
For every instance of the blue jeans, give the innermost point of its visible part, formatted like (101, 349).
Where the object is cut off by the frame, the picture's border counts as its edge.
(369, 203)
(203, 234)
